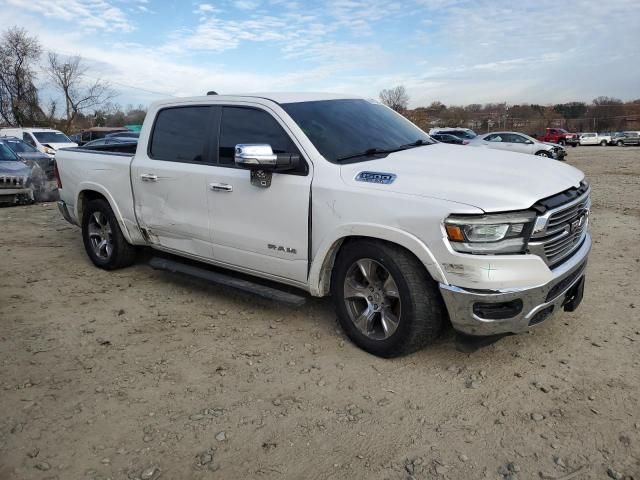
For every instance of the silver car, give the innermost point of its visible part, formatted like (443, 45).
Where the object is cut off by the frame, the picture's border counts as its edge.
(519, 142)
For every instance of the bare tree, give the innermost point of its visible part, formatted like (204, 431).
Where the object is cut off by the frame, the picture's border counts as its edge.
(70, 77)
(18, 94)
(395, 98)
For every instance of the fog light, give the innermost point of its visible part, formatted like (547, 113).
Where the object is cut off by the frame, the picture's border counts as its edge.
(499, 310)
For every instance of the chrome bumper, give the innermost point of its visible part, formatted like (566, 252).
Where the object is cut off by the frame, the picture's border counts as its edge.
(537, 303)
(64, 210)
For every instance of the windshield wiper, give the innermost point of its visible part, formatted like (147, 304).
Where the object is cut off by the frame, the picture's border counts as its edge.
(378, 151)
(368, 153)
(418, 143)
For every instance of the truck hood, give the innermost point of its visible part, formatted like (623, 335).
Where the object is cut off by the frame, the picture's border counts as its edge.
(491, 180)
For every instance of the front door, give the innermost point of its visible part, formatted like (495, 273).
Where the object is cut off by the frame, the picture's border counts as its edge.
(256, 228)
(168, 180)
(517, 143)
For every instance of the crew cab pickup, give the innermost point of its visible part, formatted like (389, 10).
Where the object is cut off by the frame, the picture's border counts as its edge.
(341, 196)
(560, 136)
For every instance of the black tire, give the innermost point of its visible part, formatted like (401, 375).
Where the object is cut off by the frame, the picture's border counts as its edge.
(574, 145)
(620, 143)
(562, 142)
(543, 153)
(603, 143)
(422, 310)
(122, 253)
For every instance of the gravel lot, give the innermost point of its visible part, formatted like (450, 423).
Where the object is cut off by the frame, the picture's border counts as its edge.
(142, 374)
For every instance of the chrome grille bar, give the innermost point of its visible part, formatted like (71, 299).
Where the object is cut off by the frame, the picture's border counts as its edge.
(561, 231)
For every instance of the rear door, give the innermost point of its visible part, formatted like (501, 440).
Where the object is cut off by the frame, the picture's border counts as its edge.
(255, 228)
(168, 180)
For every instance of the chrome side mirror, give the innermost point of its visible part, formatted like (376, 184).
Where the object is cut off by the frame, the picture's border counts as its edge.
(255, 156)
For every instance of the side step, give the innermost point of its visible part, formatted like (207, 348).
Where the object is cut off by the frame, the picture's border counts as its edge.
(227, 280)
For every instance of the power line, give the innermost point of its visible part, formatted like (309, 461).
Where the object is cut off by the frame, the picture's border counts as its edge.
(132, 87)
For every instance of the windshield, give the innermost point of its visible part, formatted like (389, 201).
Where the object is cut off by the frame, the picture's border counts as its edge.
(51, 137)
(19, 146)
(346, 128)
(6, 154)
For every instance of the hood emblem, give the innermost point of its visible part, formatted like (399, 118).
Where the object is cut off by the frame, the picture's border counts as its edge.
(376, 177)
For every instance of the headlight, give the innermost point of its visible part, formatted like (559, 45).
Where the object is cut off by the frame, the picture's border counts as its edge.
(490, 234)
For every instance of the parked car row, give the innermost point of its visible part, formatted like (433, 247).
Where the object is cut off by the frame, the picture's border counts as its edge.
(98, 133)
(620, 139)
(509, 141)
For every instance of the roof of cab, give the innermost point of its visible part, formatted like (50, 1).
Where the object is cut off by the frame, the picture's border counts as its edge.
(277, 97)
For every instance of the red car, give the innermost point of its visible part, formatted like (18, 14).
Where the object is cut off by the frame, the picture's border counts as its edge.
(560, 136)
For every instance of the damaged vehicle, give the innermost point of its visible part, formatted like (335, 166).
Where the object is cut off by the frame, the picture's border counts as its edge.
(339, 196)
(31, 156)
(21, 181)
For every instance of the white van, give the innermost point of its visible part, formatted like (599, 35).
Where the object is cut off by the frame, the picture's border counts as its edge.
(46, 140)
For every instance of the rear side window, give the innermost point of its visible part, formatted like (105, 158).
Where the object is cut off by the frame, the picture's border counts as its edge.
(249, 125)
(181, 134)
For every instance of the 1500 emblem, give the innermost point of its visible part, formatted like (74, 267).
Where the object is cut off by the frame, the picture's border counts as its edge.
(280, 248)
(376, 177)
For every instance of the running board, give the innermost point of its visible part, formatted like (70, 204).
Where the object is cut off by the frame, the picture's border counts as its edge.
(227, 280)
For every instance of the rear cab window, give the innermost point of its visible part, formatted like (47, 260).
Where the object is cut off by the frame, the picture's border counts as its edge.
(181, 134)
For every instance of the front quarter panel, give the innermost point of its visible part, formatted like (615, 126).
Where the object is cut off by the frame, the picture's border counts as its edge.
(340, 210)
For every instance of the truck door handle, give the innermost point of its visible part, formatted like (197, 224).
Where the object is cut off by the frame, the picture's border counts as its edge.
(149, 177)
(221, 187)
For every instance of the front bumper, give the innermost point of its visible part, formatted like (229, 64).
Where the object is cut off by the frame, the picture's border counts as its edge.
(517, 309)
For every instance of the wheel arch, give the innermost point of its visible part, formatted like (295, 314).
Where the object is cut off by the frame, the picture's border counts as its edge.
(322, 265)
(91, 192)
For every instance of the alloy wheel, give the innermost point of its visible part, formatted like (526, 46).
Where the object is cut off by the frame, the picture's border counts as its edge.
(372, 299)
(100, 235)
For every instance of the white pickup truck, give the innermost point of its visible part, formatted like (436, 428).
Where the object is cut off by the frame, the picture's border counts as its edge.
(341, 196)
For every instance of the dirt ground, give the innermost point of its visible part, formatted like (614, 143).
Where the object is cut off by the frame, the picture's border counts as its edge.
(140, 374)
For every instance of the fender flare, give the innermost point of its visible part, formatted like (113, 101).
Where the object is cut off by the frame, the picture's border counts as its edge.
(322, 263)
(97, 188)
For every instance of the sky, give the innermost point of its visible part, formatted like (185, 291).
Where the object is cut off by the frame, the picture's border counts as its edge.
(454, 51)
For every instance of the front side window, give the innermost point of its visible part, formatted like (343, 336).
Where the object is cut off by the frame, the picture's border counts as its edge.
(180, 134)
(516, 138)
(27, 138)
(249, 125)
(346, 129)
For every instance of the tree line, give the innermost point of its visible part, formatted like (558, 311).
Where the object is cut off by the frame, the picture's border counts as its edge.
(602, 114)
(78, 100)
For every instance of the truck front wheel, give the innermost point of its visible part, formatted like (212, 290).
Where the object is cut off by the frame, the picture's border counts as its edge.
(103, 240)
(385, 300)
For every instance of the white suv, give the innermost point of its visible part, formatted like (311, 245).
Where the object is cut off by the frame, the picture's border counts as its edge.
(46, 140)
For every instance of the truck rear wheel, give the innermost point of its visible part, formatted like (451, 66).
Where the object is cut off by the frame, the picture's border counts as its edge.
(103, 240)
(385, 300)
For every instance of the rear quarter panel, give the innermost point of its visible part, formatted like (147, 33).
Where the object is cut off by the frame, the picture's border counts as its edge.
(105, 173)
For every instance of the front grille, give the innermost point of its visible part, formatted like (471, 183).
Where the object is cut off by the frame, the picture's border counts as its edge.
(12, 181)
(564, 231)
